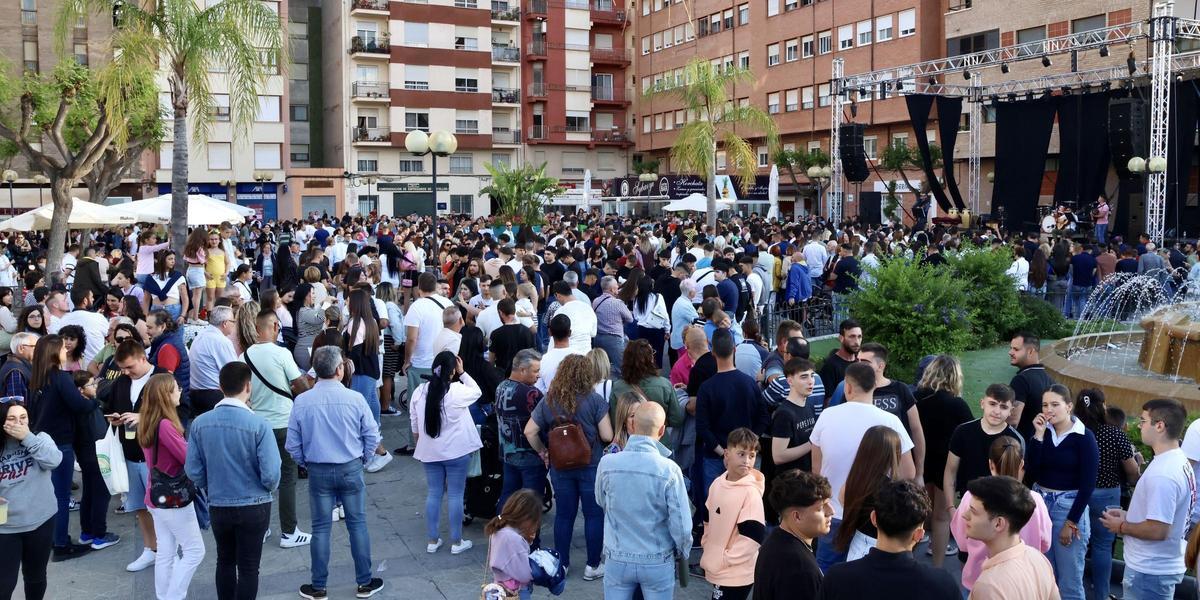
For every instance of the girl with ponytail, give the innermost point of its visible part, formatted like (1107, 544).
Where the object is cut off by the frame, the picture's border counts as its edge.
(1004, 460)
(509, 535)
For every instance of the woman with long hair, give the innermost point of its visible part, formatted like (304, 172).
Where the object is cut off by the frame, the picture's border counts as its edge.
(309, 320)
(622, 410)
(445, 436)
(651, 316)
(247, 329)
(1005, 460)
(601, 373)
(471, 350)
(32, 320)
(361, 340)
(509, 535)
(132, 309)
(571, 398)
(165, 287)
(1063, 459)
(640, 375)
(941, 409)
(394, 337)
(160, 435)
(28, 458)
(312, 276)
(215, 273)
(1039, 273)
(876, 462)
(195, 255)
(1117, 465)
(74, 341)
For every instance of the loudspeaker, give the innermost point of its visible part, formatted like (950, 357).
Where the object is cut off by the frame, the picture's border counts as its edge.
(1128, 133)
(870, 208)
(1135, 216)
(850, 150)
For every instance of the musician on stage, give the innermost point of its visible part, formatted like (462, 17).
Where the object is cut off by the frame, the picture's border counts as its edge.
(1100, 219)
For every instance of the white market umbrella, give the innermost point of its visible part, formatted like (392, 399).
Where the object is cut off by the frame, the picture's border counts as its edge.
(202, 210)
(83, 215)
(587, 189)
(695, 202)
(773, 193)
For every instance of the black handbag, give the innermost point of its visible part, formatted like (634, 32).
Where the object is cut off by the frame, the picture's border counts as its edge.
(167, 491)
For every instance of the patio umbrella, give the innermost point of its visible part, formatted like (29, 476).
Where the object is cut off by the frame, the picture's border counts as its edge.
(773, 193)
(202, 210)
(695, 202)
(83, 215)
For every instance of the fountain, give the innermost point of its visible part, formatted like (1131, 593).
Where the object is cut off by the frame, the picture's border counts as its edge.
(1136, 341)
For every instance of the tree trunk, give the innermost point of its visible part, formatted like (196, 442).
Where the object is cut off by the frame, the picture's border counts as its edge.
(711, 188)
(179, 178)
(60, 194)
(795, 185)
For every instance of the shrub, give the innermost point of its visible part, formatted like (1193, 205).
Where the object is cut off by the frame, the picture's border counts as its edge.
(1042, 318)
(914, 311)
(990, 294)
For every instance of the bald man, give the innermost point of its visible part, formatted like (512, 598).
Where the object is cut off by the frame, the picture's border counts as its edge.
(643, 533)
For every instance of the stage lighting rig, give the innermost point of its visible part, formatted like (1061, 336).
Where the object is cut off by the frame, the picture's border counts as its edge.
(1046, 62)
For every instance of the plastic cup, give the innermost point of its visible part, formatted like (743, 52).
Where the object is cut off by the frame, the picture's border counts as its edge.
(130, 431)
(3, 511)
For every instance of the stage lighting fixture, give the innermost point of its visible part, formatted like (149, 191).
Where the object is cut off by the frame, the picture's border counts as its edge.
(1066, 90)
(1004, 67)
(1046, 61)
(1103, 51)
(1029, 96)
(967, 75)
(1131, 62)
(1105, 86)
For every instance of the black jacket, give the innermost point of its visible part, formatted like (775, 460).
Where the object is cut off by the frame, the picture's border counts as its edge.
(58, 406)
(900, 574)
(121, 402)
(88, 278)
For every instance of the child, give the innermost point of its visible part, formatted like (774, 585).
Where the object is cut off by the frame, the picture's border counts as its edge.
(509, 534)
(527, 297)
(736, 523)
(86, 383)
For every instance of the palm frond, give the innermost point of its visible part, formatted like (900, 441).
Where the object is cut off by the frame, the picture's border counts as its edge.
(740, 158)
(693, 149)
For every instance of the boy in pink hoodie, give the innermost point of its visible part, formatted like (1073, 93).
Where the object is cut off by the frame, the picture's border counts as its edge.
(736, 521)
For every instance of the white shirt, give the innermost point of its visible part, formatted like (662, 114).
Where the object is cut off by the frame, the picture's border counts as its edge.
(1191, 449)
(550, 361)
(447, 339)
(95, 328)
(488, 320)
(815, 254)
(1019, 271)
(867, 264)
(137, 385)
(583, 325)
(243, 290)
(458, 436)
(756, 287)
(1166, 493)
(425, 315)
(839, 431)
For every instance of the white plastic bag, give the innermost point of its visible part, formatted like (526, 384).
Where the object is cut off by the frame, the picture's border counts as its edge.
(112, 463)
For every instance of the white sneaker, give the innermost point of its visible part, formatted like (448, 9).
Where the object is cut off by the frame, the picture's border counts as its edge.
(431, 548)
(145, 561)
(378, 462)
(590, 574)
(341, 512)
(266, 535)
(336, 517)
(461, 547)
(296, 538)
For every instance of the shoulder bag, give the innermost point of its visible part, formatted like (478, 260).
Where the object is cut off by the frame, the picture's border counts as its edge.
(270, 386)
(169, 491)
(569, 447)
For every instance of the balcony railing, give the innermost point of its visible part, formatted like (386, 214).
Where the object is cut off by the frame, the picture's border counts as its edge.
(370, 134)
(537, 89)
(378, 45)
(537, 48)
(505, 95)
(370, 89)
(503, 12)
(569, 87)
(369, 5)
(608, 94)
(506, 54)
(506, 136)
(612, 136)
(612, 55)
(606, 12)
(537, 132)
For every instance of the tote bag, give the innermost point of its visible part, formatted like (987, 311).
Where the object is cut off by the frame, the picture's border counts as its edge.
(112, 463)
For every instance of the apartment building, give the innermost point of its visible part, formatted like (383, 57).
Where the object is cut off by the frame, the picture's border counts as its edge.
(789, 46)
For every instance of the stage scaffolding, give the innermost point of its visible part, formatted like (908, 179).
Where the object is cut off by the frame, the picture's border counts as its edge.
(1162, 29)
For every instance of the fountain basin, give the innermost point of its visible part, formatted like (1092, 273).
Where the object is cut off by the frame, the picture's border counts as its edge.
(1127, 389)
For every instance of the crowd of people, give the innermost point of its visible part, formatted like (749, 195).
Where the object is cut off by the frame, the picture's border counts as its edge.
(613, 366)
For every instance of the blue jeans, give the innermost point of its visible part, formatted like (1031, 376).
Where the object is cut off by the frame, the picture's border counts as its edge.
(841, 307)
(532, 477)
(445, 477)
(341, 484)
(614, 347)
(61, 478)
(622, 579)
(1067, 560)
(708, 469)
(1079, 298)
(1101, 232)
(93, 509)
(574, 488)
(173, 309)
(827, 556)
(369, 388)
(1140, 586)
(1102, 539)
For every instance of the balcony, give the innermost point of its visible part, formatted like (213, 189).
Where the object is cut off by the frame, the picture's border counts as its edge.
(607, 95)
(537, 132)
(569, 87)
(370, 91)
(608, 14)
(506, 136)
(370, 47)
(506, 96)
(612, 56)
(510, 54)
(502, 12)
(371, 136)
(537, 89)
(537, 49)
(575, 4)
(535, 9)
(369, 7)
(612, 136)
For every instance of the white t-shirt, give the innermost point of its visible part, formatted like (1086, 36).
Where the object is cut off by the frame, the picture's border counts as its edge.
(137, 385)
(1191, 449)
(550, 361)
(583, 325)
(1166, 493)
(95, 328)
(426, 315)
(839, 431)
(489, 320)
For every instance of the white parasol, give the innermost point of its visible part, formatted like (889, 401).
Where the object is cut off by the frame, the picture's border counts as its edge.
(83, 215)
(202, 210)
(773, 193)
(696, 202)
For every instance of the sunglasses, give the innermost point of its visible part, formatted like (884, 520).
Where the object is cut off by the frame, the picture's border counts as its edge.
(18, 400)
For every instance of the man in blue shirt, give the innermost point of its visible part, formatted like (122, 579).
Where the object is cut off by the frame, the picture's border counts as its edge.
(1083, 279)
(845, 281)
(727, 290)
(331, 432)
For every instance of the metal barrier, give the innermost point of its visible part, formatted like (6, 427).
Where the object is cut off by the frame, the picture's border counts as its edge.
(815, 317)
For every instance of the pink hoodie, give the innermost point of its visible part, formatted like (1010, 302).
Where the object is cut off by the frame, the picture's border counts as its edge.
(1036, 534)
(729, 557)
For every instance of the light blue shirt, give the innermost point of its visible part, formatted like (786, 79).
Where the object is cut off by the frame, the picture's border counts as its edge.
(683, 313)
(210, 351)
(331, 424)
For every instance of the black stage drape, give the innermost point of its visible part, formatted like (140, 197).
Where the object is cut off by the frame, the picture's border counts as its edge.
(1180, 149)
(948, 107)
(1083, 150)
(1022, 138)
(918, 113)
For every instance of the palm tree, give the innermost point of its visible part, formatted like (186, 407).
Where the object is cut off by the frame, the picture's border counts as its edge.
(243, 39)
(521, 192)
(703, 94)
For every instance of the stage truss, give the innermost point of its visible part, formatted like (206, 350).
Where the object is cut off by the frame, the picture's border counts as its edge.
(1162, 30)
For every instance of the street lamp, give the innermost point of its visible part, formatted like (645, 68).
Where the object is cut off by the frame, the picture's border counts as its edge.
(10, 176)
(438, 143)
(820, 176)
(41, 181)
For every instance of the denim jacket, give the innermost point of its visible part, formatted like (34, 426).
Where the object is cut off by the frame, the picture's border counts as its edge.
(233, 455)
(647, 518)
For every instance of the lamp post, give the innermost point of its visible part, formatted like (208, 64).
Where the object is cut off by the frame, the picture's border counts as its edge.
(820, 176)
(41, 181)
(10, 176)
(438, 143)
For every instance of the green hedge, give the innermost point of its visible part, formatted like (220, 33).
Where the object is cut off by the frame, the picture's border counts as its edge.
(991, 297)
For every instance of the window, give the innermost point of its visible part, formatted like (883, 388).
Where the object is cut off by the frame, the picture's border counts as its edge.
(646, 124)
(645, 45)
(669, 121)
(977, 42)
(30, 50)
(1088, 24)
(466, 125)
(268, 156)
(744, 60)
(646, 7)
(81, 54)
(729, 63)
(883, 28)
(219, 156)
(728, 20)
(462, 204)
(863, 28)
(368, 162)
(29, 12)
(666, 38)
(416, 77)
(791, 50)
(908, 22)
(825, 42)
(772, 7)
(298, 30)
(501, 160)
(166, 155)
(703, 27)
(772, 55)
(744, 14)
(870, 146)
(460, 163)
(416, 120)
(790, 5)
(714, 23)
(578, 123)
(299, 153)
(806, 46)
(764, 157)
(773, 103)
(823, 98)
(845, 37)
(268, 109)
(806, 97)
(865, 94)
(689, 31)
(298, 112)
(368, 203)
(899, 140)
(367, 32)
(416, 34)
(814, 146)
(989, 114)
(1026, 36)
(792, 100)
(466, 84)
(220, 107)
(412, 165)
(298, 72)
(466, 43)
(658, 41)
(721, 160)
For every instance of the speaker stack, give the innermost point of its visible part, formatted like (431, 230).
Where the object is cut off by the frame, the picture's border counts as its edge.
(1127, 131)
(852, 153)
